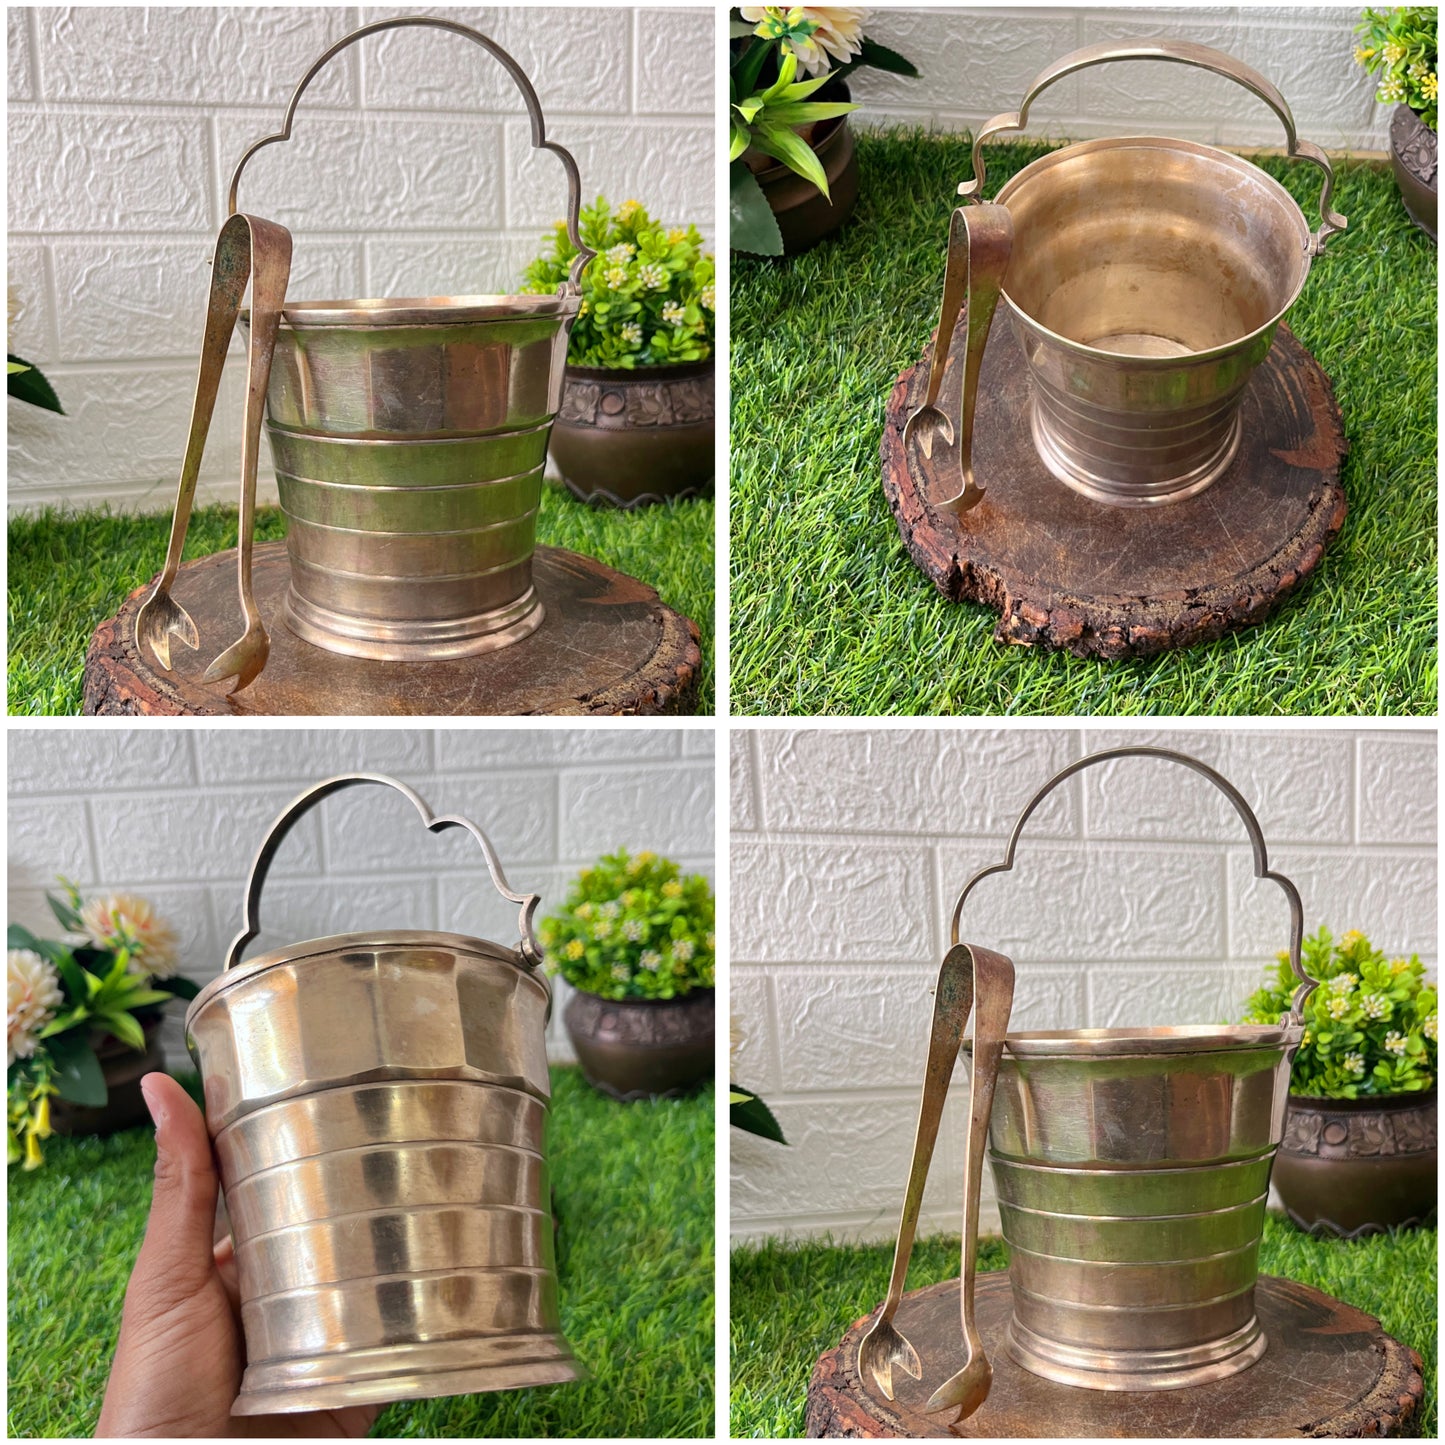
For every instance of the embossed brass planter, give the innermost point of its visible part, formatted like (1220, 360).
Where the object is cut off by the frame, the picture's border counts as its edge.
(1144, 278)
(631, 438)
(1131, 1167)
(377, 1102)
(1353, 1167)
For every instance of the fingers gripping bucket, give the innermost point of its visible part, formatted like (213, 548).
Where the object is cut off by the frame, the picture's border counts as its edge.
(1132, 1166)
(1145, 281)
(409, 438)
(376, 1102)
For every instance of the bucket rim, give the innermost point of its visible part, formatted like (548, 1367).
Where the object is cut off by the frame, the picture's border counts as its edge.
(1136, 142)
(1164, 1039)
(371, 313)
(343, 942)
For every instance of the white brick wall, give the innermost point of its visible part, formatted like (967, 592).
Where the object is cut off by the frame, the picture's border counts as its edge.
(177, 815)
(1132, 902)
(410, 173)
(977, 62)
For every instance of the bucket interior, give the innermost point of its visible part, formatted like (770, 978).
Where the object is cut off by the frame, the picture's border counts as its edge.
(1152, 248)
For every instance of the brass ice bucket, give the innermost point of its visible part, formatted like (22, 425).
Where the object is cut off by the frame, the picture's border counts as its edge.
(377, 1102)
(409, 438)
(1131, 1167)
(1144, 278)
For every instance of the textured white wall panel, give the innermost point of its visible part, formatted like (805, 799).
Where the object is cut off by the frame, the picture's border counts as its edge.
(410, 172)
(177, 815)
(1132, 902)
(977, 62)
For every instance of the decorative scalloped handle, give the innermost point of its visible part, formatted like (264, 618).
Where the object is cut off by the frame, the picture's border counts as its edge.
(1307, 985)
(1183, 52)
(519, 77)
(276, 835)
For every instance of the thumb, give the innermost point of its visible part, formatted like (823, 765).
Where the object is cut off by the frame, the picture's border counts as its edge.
(175, 1259)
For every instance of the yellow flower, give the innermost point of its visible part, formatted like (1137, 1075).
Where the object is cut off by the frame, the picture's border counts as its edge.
(33, 1157)
(672, 889)
(574, 949)
(1430, 87)
(1393, 52)
(627, 210)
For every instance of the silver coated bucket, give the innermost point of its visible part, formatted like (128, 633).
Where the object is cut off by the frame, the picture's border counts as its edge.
(1132, 1168)
(1145, 279)
(409, 439)
(377, 1104)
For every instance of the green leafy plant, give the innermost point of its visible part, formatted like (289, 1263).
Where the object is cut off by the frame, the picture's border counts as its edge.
(1399, 47)
(64, 996)
(648, 297)
(746, 1111)
(633, 927)
(25, 383)
(1370, 1027)
(771, 114)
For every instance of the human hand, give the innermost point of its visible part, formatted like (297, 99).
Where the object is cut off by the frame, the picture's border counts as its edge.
(177, 1368)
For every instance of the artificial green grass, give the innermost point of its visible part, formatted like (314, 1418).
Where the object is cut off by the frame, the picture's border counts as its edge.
(828, 613)
(790, 1303)
(632, 1187)
(71, 570)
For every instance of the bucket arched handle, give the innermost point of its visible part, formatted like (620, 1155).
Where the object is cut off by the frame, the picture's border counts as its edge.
(1307, 985)
(289, 816)
(573, 284)
(1182, 52)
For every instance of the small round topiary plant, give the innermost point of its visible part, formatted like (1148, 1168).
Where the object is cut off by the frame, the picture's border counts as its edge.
(648, 296)
(634, 928)
(1371, 1026)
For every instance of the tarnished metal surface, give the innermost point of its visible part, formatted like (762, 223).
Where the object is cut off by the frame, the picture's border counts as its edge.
(1131, 1167)
(409, 437)
(248, 249)
(1146, 281)
(377, 1103)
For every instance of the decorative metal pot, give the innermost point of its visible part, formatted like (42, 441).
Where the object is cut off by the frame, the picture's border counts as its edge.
(1145, 279)
(376, 1102)
(1131, 1166)
(409, 438)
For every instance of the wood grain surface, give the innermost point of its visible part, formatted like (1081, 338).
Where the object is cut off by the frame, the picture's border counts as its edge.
(1065, 572)
(1329, 1370)
(608, 646)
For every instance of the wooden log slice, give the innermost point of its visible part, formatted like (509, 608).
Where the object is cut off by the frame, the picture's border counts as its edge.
(1329, 1370)
(608, 645)
(1065, 572)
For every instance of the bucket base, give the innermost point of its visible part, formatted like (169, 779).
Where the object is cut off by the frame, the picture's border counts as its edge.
(406, 1372)
(1101, 489)
(412, 641)
(1135, 1369)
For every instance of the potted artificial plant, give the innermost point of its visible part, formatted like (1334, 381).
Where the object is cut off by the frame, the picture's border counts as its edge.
(83, 1020)
(793, 168)
(1358, 1154)
(635, 940)
(636, 423)
(1400, 48)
